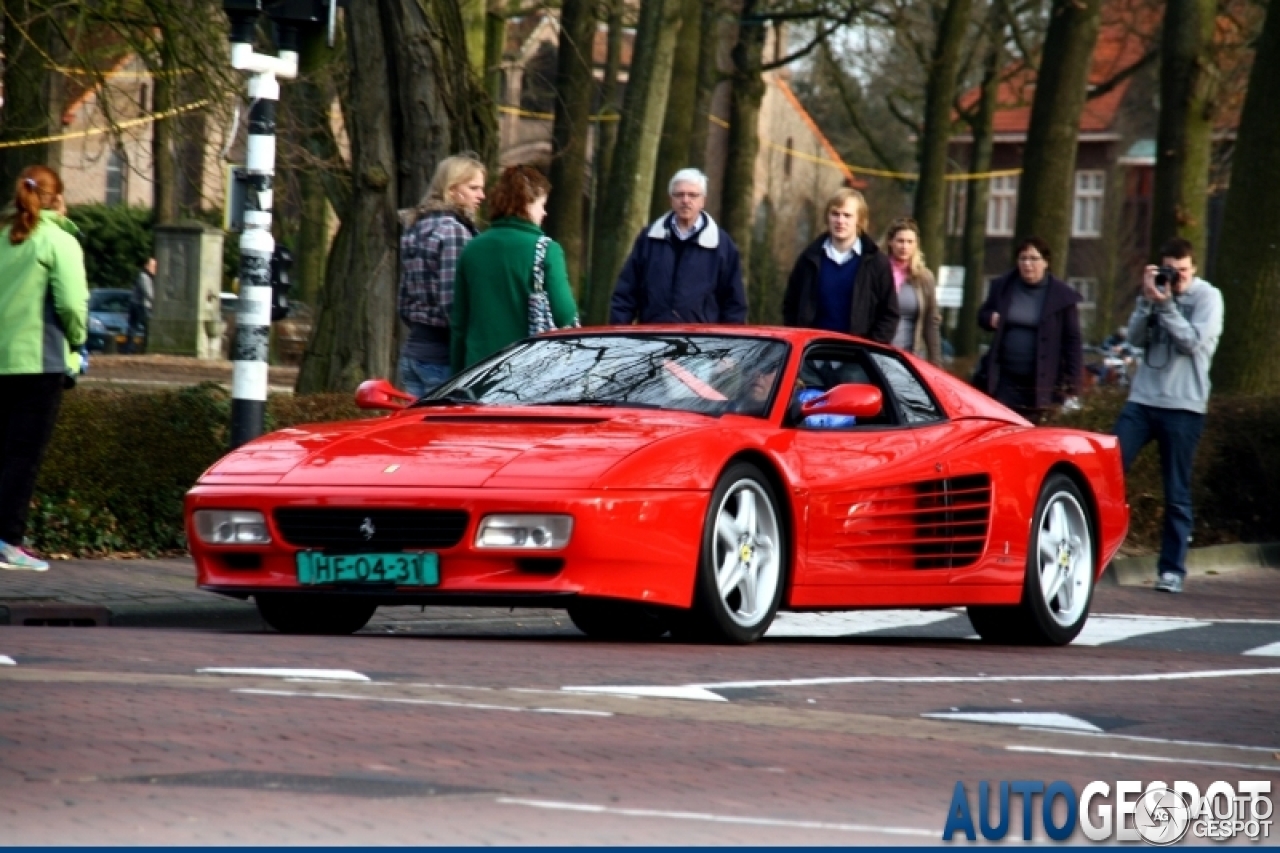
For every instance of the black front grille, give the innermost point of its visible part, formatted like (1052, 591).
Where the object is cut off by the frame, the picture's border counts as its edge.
(372, 529)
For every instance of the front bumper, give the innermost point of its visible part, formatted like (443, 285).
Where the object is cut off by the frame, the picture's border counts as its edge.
(632, 545)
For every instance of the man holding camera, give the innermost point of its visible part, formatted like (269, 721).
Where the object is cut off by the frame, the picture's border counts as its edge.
(1177, 321)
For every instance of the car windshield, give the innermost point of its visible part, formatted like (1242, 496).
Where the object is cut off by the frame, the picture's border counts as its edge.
(706, 374)
(109, 301)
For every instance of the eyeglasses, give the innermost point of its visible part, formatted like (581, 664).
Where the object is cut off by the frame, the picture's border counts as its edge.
(1029, 259)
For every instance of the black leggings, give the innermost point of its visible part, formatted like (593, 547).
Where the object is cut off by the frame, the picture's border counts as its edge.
(28, 409)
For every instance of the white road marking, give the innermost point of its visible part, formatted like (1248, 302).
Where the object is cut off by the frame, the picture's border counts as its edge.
(988, 679)
(715, 818)
(1111, 629)
(1026, 719)
(1124, 756)
(653, 692)
(1179, 618)
(705, 692)
(276, 672)
(1269, 650)
(7, 661)
(476, 706)
(848, 623)
(1143, 739)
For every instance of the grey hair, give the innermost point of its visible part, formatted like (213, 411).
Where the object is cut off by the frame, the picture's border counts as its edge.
(688, 176)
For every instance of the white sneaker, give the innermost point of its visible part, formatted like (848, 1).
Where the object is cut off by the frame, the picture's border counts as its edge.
(13, 557)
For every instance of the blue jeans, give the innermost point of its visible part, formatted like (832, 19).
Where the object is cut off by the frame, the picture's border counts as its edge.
(1176, 433)
(419, 377)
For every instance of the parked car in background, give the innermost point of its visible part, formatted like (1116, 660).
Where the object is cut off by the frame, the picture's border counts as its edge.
(290, 334)
(108, 318)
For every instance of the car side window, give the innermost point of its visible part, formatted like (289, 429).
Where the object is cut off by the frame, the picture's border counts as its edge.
(824, 368)
(917, 406)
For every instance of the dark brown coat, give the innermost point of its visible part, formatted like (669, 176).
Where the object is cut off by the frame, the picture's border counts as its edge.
(1059, 346)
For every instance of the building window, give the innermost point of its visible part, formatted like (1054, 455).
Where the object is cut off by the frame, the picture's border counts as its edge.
(1088, 290)
(786, 160)
(1002, 206)
(957, 197)
(1086, 213)
(115, 178)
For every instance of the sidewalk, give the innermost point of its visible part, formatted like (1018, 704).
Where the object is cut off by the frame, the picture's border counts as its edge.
(163, 594)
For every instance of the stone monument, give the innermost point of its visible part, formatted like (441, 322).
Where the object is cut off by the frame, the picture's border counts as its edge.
(186, 318)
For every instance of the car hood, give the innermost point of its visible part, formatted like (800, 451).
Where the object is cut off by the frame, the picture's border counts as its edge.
(464, 447)
(111, 319)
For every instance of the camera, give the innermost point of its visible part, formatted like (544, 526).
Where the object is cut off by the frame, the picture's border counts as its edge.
(1166, 276)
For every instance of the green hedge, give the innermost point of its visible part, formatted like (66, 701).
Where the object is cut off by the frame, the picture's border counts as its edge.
(1235, 486)
(117, 242)
(121, 461)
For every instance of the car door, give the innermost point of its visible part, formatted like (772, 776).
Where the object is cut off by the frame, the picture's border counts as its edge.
(882, 507)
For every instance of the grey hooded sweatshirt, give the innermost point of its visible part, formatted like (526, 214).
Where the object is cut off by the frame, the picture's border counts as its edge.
(1179, 339)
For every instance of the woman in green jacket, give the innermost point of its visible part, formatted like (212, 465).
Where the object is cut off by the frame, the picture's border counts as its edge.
(495, 273)
(44, 314)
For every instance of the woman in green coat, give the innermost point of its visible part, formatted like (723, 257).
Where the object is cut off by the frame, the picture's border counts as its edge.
(44, 315)
(495, 273)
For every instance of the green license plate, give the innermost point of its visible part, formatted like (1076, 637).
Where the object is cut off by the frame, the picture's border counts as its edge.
(421, 568)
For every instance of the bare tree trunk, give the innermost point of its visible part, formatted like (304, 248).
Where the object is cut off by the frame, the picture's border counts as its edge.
(606, 137)
(1184, 139)
(673, 150)
(357, 318)
(569, 135)
(165, 189)
(1046, 190)
(310, 97)
(708, 75)
(631, 173)
(31, 92)
(738, 186)
(982, 125)
(931, 191)
(442, 107)
(1248, 268)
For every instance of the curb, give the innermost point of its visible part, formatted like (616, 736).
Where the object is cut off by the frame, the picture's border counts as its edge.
(233, 615)
(1213, 560)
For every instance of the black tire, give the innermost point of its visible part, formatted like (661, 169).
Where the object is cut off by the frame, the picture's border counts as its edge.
(618, 621)
(734, 617)
(1042, 619)
(300, 613)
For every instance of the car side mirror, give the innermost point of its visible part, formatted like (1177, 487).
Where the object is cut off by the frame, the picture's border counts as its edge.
(859, 401)
(381, 394)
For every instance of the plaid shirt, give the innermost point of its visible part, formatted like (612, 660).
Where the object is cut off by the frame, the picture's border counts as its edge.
(429, 252)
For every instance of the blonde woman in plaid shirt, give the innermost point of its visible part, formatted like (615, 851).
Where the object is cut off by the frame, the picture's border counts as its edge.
(429, 250)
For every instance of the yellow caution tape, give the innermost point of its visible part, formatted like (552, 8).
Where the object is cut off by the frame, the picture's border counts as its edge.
(822, 161)
(97, 131)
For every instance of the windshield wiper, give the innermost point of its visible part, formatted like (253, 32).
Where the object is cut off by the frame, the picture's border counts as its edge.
(446, 400)
(587, 401)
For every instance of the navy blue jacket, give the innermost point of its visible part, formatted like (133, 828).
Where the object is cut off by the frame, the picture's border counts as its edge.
(665, 282)
(874, 313)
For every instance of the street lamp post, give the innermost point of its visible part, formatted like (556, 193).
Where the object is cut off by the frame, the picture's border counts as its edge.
(257, 247)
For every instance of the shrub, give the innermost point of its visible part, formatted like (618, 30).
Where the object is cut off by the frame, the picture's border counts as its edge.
(120, 463)
(117, 242)
(1235, 484)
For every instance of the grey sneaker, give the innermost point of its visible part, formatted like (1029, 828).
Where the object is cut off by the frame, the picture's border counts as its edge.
(1169, 582)
(13, 557)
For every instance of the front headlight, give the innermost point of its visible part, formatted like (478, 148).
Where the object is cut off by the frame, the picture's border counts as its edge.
(96, 325)
(525, 532)
(231, 527)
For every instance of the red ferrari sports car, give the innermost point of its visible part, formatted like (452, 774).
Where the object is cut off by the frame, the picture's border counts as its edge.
(671, 478)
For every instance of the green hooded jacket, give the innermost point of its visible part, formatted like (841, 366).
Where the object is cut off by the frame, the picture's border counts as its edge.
(44, 301)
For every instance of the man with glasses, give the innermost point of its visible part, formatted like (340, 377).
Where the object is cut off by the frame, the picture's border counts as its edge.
(1177, 322)
(683, 268)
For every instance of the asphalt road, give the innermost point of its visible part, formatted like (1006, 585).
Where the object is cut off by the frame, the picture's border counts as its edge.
(498, 727)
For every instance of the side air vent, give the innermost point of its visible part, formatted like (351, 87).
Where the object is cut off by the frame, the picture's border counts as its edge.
(952, 521)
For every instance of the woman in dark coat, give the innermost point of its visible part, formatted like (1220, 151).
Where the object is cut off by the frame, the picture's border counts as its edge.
(1037, 355)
